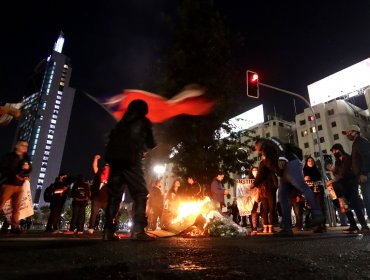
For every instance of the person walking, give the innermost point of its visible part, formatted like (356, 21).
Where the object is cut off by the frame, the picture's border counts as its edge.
(284, 160)
(360, 162)
(128, 143)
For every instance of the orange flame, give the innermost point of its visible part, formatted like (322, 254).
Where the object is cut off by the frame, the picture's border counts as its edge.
(188, 209)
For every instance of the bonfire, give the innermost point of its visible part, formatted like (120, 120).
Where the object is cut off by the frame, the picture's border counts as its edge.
(199, 218)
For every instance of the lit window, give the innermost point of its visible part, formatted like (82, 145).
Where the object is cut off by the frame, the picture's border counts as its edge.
(40, 181)
(42, 175)
(43, 169)
(53, 121)
(57, 101)
(45, 158)
(50, 136)
(49, 142)
(46, 153)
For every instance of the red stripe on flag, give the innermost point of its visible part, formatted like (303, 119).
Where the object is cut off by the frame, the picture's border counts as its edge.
(161, 109)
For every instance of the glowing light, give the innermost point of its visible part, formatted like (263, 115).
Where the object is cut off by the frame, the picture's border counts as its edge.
(159, 169)
(254, 78)
(344, 82)
(245, 120)
(58, 46)
(191, 209)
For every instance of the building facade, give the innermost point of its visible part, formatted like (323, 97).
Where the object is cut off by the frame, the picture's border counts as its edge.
(332, 118)
(46, 113)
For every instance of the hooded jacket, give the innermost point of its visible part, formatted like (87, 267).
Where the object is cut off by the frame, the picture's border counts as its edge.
(132, 135)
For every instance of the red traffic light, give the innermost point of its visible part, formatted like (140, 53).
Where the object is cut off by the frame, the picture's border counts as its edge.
(252, 84)
(254, 78)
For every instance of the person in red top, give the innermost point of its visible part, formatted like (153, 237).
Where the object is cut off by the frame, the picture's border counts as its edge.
(99, 194)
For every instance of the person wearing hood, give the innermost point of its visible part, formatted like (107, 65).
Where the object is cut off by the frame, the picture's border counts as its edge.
(129, 140)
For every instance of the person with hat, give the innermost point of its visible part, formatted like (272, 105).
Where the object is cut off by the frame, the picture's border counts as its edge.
(345, 185)
(360, 162)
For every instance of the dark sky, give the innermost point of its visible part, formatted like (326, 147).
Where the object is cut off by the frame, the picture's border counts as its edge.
(112, 44)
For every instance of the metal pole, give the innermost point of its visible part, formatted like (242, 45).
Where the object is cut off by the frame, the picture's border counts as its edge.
(332, 220)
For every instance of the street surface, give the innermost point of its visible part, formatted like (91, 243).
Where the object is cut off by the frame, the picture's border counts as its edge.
(330, 255)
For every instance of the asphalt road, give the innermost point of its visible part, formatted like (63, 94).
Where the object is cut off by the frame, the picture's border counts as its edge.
(330, 255)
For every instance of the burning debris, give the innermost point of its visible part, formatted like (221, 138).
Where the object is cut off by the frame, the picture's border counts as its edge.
(200, 219)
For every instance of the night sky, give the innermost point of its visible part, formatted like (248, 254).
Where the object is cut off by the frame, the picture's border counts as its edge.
(112, 44)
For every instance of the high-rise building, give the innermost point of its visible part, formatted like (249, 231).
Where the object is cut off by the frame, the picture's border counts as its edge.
(46, 112)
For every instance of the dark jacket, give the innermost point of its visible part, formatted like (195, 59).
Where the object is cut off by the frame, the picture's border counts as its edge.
(155, 198)
(266, 178)
(191, 191)
(80, 193)
(273, 150)
(11, 166)
(361, 156)
(345, 178)
(131, 137)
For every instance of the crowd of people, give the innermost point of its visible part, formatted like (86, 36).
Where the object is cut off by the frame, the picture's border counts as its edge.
(282, 181)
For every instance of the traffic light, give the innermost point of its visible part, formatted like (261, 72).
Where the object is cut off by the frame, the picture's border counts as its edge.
(252, 84)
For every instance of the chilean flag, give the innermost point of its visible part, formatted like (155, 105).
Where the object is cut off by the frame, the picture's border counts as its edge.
(188, 102)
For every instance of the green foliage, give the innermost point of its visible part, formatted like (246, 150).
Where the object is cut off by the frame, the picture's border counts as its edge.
(218, 228)
(201, 54)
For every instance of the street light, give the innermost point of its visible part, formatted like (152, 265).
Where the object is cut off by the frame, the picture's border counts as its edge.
(159, 169)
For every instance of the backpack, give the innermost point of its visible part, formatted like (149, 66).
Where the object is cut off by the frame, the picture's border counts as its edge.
(48, 193)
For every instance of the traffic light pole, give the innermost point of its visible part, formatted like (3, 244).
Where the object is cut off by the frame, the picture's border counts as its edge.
(322, 162)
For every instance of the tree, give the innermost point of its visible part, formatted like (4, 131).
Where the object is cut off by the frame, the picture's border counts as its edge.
(201, 53)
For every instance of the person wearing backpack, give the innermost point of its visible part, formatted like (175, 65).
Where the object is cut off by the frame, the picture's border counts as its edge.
(284, 161)
(80, 195)
(57, 192)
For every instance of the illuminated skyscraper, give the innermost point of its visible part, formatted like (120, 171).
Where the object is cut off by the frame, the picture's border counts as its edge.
(46, 113)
